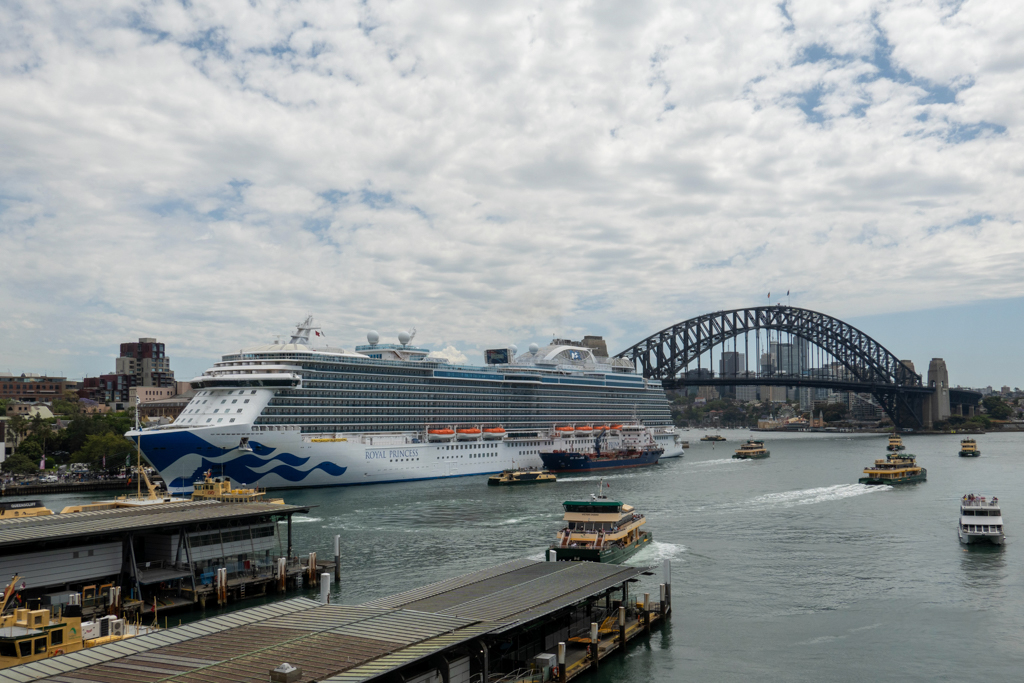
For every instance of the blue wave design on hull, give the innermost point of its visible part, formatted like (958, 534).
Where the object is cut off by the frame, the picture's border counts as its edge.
(164, 450)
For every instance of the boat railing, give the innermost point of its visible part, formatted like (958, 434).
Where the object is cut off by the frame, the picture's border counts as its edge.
(979, 502)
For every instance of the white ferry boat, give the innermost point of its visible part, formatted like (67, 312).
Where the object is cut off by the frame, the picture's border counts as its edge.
(981, 520)
(297, 415)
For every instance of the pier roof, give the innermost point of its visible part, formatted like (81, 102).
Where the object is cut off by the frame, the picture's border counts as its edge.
(514, 592)
(32, 530)
(338, 643)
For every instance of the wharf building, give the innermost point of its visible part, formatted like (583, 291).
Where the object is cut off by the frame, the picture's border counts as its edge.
(168, 551)
(519, 621)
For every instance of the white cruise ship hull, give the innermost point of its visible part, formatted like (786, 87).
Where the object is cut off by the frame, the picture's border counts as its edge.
(289, 459)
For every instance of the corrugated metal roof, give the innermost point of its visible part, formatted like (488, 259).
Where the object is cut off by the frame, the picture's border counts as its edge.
(105, 522)
(514, 591)
(401, 599)
(339, 643)
(189, 633)
(408, 655)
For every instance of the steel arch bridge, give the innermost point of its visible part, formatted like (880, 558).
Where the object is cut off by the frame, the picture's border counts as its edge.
(867, 366)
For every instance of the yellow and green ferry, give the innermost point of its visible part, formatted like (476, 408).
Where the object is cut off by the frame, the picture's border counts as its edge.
(897, 468)
(600, 530)
(521, 477)
(969, 448)
(752, 450)
(895, 443)
(712, 437)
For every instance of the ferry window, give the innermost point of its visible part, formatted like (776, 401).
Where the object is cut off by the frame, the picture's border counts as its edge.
(246, 400)
(40, 645)
(220, 419)
(25, 648)
(57, 637)
(208, 419)
(224, 400)
(234, 400)
(7, 649)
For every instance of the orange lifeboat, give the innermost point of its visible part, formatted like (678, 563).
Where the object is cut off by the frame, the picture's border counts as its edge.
(494, 433)
(600, 428)
(615, 428)
(564, 431)
(440, 434)
(584, 430)
(468, 434)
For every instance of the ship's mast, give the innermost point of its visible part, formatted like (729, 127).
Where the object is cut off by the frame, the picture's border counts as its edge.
(138, 443)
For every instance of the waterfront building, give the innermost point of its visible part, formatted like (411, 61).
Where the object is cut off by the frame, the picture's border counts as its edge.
(32, 387)
(746, 393)
(112, 388)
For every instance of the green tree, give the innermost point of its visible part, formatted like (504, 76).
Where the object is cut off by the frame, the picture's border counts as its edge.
(996, 407)
(20, 464)
(834, 412)
(31, 449)
(112, 446)
(18, 426)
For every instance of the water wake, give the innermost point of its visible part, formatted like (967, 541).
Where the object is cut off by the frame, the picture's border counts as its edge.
(656, 552)
(297, 520)
(821, 494)
(723, 461)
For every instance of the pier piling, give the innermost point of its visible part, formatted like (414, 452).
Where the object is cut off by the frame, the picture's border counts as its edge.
(561, 663)
(325, 588)
(595, 643)
(337, 558)
(622, 626)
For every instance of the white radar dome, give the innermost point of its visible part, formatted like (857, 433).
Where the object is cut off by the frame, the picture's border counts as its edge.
(534, 348)
(404, 338)
(514, 348)
(372, 337)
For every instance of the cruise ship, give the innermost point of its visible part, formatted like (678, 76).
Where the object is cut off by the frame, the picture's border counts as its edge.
(295, 415)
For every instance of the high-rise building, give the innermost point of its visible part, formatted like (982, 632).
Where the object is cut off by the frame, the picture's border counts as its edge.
(732, 364)
(146, 363)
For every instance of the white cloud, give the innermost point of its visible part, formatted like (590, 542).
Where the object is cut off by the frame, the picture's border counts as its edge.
(453, 355)
(495, 172)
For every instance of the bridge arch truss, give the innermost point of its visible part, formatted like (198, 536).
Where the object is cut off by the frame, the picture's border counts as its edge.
(867, 366)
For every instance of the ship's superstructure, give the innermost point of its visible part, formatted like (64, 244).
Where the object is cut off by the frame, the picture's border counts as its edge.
(294, 414)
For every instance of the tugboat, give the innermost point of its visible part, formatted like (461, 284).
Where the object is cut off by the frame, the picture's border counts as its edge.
(219, 489)
(518, 477)
(974, 530)
(752, 450)
(897, 468)
(600, 530)
(895, 443)
(634, 447)
(712, 437)
(30, 635)
(969, 448)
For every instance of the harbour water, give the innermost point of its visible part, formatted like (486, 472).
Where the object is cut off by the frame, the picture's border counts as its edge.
(784, 569)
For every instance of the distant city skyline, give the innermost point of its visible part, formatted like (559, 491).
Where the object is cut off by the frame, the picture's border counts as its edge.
(986, 359)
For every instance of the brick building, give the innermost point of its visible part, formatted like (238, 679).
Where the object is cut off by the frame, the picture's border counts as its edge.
(31, 387)
(146, 363)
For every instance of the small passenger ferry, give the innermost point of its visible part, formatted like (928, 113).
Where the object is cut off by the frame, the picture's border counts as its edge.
(897, 468)
(969, 448)
(895, 443)
(520, 477)
(600, 530)
(23, 508)
(712, 437)
(987, 529)
(631, 445)
(752, 450)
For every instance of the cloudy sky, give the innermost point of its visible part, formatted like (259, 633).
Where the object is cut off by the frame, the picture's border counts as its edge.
(492, 172)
